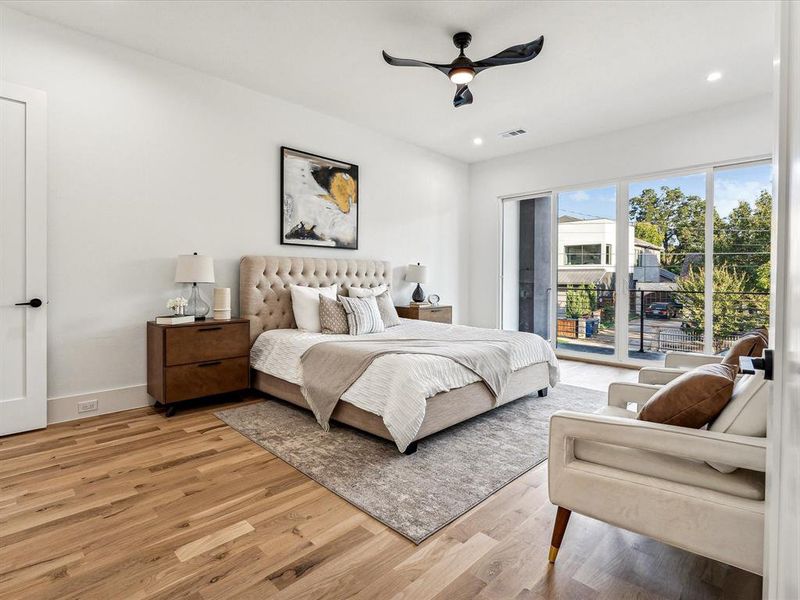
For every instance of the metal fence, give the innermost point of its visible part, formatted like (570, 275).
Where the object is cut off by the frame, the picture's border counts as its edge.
(659, 320)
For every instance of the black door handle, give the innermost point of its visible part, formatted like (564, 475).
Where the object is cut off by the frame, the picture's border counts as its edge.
(750, 364)
(33, 303)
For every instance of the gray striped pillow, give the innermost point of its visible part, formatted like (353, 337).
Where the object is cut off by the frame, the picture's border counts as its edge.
(363, 315)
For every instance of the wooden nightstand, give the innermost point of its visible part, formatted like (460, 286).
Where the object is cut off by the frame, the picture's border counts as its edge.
(197, 359)
(439, 313)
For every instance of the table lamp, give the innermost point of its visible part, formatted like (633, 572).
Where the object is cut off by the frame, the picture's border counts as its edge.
(417, 274)
(195, 268)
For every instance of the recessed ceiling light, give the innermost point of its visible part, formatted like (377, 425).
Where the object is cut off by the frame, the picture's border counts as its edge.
(714, 76)
(477, 141)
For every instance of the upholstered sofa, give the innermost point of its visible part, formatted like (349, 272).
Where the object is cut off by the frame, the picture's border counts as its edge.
(698, 489)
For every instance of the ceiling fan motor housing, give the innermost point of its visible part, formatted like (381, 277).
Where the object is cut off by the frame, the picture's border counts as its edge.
(462, 39)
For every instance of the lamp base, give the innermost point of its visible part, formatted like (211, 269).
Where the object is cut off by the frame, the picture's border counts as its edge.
(418, 295)
(197, 307)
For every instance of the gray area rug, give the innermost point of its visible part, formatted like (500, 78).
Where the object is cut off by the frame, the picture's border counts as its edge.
(419, 494)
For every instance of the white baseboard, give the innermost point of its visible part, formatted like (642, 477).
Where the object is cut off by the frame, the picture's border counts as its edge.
(65, 408)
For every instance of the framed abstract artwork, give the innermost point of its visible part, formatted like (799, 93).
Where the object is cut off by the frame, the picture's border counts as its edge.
(319, 201)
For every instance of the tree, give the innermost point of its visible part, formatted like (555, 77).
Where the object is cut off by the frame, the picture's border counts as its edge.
(578, 304)
(649, 233)
(677, 217)
(734, 312)
(742, 240)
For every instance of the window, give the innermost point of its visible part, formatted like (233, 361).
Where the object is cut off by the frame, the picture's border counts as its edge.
(586, 254)
(741, 271)
(697, 270)
(668, 212)
(586, 296)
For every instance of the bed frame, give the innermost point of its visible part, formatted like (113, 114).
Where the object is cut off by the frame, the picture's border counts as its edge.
(265, 301)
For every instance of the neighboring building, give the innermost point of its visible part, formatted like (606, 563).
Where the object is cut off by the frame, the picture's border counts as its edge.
(587, 254)
(647, 264)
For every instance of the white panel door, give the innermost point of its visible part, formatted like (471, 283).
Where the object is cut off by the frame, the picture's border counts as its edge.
(23, 260)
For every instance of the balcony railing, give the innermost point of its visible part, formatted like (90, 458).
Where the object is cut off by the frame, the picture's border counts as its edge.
(658, 321)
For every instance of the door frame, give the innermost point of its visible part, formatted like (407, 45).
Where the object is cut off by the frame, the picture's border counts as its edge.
(781, 550)
(551, 299)
(33, 415)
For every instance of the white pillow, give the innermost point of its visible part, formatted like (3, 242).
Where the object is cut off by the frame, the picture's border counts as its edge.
(305, 305)
(360, 292)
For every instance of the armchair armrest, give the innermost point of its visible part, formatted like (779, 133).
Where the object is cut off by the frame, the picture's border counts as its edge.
(659, 375)
(690, 360)
(620, 393)
(692, 444)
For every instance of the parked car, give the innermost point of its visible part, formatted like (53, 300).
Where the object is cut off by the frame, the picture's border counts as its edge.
(661, 310)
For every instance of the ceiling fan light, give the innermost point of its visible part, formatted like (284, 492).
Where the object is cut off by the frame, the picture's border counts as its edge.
(461, 75)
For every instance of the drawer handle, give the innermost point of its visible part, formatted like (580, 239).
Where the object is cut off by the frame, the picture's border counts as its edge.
(210, 328)
(210, 364)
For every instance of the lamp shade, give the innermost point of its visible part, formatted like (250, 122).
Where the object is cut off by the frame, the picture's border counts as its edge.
(194, 268)
(417, 273)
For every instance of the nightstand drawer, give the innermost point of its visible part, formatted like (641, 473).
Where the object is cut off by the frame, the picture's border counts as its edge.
(439, 314)
(206, 342)
(206, 378)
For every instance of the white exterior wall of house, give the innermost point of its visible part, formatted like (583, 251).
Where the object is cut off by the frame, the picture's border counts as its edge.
(588, 232)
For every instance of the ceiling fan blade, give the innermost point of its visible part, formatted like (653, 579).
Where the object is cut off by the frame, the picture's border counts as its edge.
(511, 56)
(410, 62)
(463, 96)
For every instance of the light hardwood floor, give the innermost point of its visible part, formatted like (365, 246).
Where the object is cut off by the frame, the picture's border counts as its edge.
(133, 505)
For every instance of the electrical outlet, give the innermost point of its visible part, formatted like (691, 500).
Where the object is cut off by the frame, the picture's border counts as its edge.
(87, 406)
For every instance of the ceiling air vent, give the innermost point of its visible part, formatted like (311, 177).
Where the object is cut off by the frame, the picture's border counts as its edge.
(512, 133)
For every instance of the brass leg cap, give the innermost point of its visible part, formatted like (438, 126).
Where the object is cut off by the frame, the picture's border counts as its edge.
(553, 553)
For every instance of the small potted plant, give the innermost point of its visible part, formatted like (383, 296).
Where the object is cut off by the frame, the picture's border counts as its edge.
(177, 305)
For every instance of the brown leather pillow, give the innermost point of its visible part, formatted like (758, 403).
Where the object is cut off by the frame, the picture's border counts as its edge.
(693, 399)
(750, 344)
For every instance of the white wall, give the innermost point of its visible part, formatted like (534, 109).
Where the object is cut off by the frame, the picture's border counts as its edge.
(735, 131)
(148, 160)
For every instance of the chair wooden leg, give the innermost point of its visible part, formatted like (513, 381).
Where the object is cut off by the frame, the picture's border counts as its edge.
(559, 527)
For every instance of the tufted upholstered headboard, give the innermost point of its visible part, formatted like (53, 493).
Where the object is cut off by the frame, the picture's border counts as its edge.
(264, 284)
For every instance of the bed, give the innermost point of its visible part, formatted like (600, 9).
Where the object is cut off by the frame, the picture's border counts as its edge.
(403, 398)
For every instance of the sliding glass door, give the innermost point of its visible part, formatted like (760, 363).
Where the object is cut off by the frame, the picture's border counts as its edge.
(741, 251)
(667, 258)
(586, 276)
(693, 273)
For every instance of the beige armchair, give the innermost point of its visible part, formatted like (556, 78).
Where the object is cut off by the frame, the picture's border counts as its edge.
(676, 363)
(658, 480)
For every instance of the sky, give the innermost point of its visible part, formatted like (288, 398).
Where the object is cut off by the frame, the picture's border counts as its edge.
(730, 186)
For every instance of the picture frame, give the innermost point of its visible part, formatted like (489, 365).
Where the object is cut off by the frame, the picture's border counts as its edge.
(319, 201)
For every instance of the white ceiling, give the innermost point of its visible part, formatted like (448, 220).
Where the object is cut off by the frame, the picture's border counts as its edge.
(605, 65)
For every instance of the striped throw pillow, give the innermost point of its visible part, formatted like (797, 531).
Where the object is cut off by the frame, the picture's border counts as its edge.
(363, 315)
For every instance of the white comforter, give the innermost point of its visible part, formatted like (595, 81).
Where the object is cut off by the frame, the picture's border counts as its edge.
(396, 386)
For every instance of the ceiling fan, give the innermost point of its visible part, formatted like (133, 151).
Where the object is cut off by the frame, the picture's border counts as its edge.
(463, 70)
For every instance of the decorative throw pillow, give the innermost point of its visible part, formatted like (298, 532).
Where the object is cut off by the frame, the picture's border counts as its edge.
(332, 317)
(693, 399)
(363, 315)
(750, 344)
(305, 305)
(363, 292)
(387, 310)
